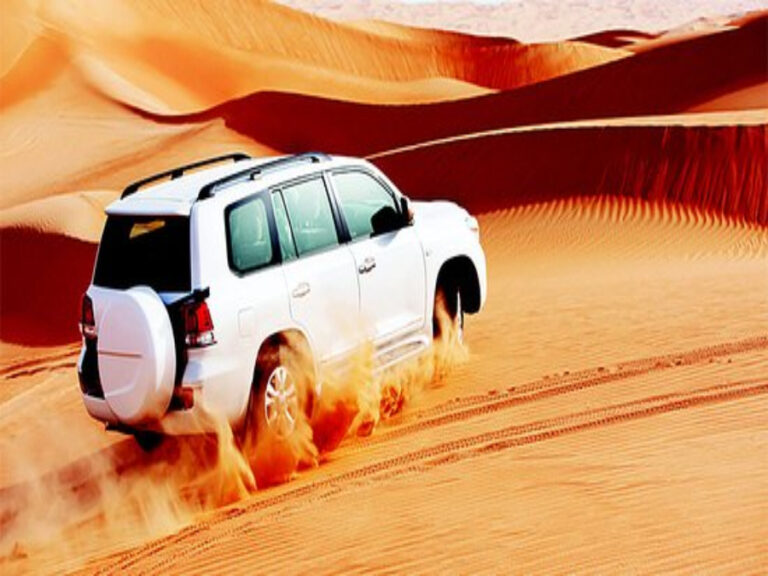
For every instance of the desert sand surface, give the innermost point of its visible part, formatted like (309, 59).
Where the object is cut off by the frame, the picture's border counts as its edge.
(609, 411)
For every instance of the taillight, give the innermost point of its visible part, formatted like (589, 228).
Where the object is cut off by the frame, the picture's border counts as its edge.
(87, 318)
(198, 325)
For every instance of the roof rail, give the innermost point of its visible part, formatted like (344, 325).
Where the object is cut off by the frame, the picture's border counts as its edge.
(179, 172)
(248, 174)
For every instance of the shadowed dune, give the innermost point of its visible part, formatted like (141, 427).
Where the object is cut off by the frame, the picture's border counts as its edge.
(710, 167)
(44, 276)
(616, 38)
(47, 251)
(667, 80)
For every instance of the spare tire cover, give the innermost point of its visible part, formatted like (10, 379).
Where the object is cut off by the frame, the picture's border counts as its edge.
(137, 355)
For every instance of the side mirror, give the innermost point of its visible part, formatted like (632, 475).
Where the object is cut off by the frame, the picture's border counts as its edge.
(406, 211)
(386, 220)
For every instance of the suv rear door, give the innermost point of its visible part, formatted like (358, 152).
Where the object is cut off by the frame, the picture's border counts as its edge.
(321, 277)
(390, 265)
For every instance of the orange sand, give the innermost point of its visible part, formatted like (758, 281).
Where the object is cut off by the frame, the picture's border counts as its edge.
(610, 416)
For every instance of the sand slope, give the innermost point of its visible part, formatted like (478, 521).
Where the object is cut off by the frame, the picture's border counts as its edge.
(604, 399)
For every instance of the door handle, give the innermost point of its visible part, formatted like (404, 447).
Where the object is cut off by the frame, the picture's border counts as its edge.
(301, 290)
(367, 265)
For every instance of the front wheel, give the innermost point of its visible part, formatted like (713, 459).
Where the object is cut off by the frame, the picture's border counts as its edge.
(448, 316)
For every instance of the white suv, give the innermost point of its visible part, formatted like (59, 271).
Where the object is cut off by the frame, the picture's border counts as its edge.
(211, 277)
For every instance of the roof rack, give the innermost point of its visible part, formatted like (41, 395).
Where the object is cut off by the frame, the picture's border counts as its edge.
(248, 174)
(179, 172)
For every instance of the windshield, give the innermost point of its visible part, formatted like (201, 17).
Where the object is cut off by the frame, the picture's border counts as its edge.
(144, 251)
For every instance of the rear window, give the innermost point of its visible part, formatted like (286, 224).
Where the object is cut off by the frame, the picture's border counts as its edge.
(145, 251)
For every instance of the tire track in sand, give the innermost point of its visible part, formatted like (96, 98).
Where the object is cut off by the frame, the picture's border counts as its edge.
(487, 442)
(66, 358)
(437, 455)
(483, 404)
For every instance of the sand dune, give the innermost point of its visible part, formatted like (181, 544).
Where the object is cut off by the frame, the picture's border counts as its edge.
(308, 55)
(660, 160)
(654, 352)
(69, 138)
(17, 31)
(610, 415)
(671, 79)
(78, 215)
(41, 309)
(35, 69)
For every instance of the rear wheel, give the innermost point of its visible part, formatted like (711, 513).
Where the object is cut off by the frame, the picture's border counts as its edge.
(282, 390)
(273, 438)
(148, 441)
(279, 401)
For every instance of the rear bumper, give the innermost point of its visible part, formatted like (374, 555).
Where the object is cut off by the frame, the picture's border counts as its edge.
(99, 409)
(219, 399)
(190, 422)
(195, 420)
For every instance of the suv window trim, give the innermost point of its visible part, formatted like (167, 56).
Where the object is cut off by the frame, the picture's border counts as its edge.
(342, 235)
(342, 232)
(279, 193)
(277, 256)
(362, 170)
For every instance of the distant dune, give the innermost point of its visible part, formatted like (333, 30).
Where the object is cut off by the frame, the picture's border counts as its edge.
(276, 49)
(540, 20)
(671, 79)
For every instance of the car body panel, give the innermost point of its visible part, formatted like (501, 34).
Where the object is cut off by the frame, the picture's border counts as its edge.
(391, 305)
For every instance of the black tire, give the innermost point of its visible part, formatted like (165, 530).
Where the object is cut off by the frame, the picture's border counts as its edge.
(273, 456)
(148, 441)
(448, 311)
(295, 361)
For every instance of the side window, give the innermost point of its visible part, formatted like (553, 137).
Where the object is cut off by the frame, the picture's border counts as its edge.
(249, 239)
(287, 247)
(361, 196)
(310, 216)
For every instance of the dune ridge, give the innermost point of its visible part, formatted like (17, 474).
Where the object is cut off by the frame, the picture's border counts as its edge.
(276, 48)
(668, 80)
(710, 167)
